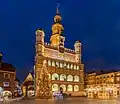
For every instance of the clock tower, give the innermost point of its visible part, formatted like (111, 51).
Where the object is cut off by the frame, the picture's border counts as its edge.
(57, 39)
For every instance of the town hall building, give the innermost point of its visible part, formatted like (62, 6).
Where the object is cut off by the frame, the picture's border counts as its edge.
(64, 65)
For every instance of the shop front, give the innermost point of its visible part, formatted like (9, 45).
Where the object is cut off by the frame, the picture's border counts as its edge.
(6, 94)
(102, 92)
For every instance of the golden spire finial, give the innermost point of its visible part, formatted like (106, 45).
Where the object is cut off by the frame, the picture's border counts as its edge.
(57, 11)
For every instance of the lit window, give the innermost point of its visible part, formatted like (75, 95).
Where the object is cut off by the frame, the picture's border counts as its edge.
(71, 66)
(68, 66)
(53, 63)
(69, 88)
(76, 88)
(69, 78)
(63, 87)
(75, 67)
(76, 78)
(55, 87)
(64, 64)
(57, 64)
(61, 65)
(6, 75)
(49, 63)
(55, 76)
(6, 84)
(62, 77)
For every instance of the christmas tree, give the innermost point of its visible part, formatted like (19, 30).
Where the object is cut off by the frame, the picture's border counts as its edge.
(44, 90)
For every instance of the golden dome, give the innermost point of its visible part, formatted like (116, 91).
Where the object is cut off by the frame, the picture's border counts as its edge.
(57, 18)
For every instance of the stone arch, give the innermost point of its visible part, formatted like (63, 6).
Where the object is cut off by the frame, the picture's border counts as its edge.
(76, 78)
(69, 78)
(62, 77)
(63, 87)
(69, 88)
(55, 76)
(55, 87)
(76, 88)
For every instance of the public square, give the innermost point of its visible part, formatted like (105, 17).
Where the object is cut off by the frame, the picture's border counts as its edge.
(70, 101)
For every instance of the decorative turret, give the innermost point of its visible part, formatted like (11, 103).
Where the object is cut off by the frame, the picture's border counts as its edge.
(77, 46)
(40, 41)
(57, 30)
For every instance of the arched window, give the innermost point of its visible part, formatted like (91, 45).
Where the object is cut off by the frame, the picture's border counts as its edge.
(61, 65)
(55, 76)
(65, 65)
(57, 64)
(74, 67)
(53, 63)
(49, 62)
(55, 87)
(71, 66)
(76, 78)
(78, 67)
(69, 78)
(62, 77)
(68, 66)
(69, 88)
(76, 88)
(63, 87)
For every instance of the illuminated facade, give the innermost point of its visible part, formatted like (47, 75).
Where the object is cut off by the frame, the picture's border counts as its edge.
(64, 65)
(7, 78)
(103, 85)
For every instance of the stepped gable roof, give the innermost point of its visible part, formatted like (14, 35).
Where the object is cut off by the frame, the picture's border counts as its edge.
(7, 67)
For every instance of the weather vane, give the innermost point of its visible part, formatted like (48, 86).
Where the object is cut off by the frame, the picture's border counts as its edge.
(58, 5)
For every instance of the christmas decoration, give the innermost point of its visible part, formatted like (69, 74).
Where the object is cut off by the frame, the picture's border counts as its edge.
(43, 87)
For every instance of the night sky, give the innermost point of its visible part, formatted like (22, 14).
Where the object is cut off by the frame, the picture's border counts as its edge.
(96, 23)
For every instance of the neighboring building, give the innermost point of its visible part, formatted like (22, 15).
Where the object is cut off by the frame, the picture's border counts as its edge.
(28, 86)
(18, 90)
(65, 66)
(7, 77)
(102, 85)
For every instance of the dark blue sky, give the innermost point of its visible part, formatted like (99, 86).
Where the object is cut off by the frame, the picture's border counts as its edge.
(95, 22)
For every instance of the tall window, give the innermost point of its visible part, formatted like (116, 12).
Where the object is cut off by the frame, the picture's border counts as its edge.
(68, 66)
(63, 77)
(55, 76)
(77, 67)
(64, 65)
(63, 87)
(49, 62)
(69, 88)
(61, 65)
(71, 67)
(74, 67)
(57, 64)
(76, 78)
(69, 78)
(55, 87)
(53, 63)
(76, 88)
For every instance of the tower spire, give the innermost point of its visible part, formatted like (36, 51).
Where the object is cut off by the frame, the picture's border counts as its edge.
(57, 10)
